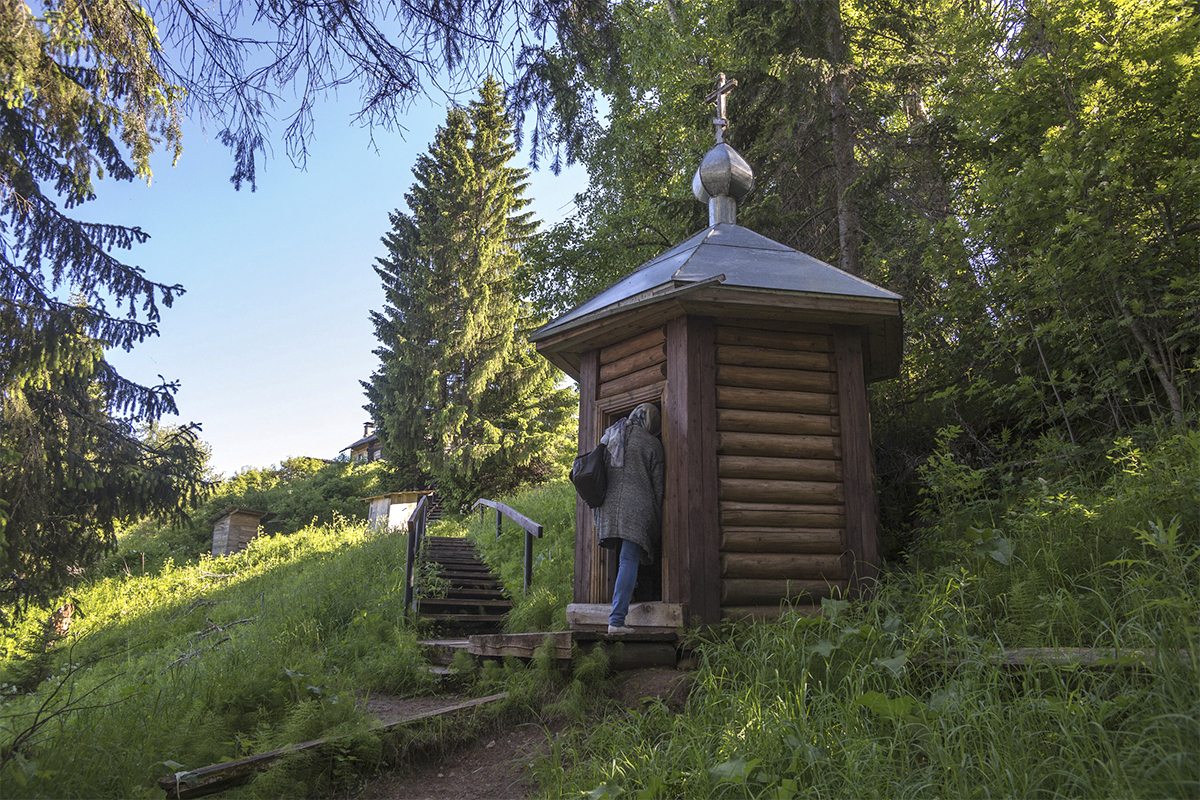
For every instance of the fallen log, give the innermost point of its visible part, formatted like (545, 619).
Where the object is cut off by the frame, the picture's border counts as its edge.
(219, 777)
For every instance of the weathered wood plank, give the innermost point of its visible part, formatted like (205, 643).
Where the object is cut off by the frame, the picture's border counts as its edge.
(634, 380)
(783, 565)
(218, 777)
(829, 541)
(520, 645)
(756, 490)
(751, 613)
(773, 327)
(862, 515)
(773, 400)
(692, 540)
(749, 591)
(775, 359)
(791, 380)
(786, 469)
(778, 446)
(633, 362)
(634, 344)
(586, 590)
(776, 340)
(774, 515)
(745, 421)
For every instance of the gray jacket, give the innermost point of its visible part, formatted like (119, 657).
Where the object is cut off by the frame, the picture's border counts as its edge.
(633, 503)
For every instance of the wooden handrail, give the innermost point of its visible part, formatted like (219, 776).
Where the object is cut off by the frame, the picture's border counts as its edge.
(531, 528)
(528, 525)
(416, 532)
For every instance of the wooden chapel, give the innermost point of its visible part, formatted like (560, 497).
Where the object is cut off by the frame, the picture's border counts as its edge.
(759, 357)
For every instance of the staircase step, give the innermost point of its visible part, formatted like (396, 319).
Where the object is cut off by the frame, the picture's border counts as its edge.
(494, 619)
(446, 602)
(476, 593)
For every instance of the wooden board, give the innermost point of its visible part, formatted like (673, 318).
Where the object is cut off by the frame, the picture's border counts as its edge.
(775, 400)
(749, 613)
(634, 380)
(691, 538)
(218, 777)
(777, 515)
(778, 446)
(791, 380)
(790, 334)
(748, 591)
(632, 363)
(616, 352)
(745, 421)
(755, 490)
(520, 645)
(782, 540)
(783, 565)
(585, 549)
(862, 512)
(785, 469)
(780, 359)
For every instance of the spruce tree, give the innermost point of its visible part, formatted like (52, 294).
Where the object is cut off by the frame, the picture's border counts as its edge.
(460, 397)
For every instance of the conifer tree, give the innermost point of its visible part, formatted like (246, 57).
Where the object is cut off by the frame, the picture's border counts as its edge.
(460, 397)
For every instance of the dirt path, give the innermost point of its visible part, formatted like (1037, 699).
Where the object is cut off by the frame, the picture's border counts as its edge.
(496, 766)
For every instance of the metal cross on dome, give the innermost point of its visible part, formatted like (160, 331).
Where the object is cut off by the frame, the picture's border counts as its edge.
(718, 98)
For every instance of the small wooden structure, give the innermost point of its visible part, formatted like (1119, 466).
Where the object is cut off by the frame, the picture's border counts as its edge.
(392, 510)
(233, 529)
(759, 357)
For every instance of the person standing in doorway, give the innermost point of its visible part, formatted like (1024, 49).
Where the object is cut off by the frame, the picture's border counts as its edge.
(630, 521)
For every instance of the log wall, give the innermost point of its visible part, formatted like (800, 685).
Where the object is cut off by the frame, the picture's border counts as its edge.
(781, 480)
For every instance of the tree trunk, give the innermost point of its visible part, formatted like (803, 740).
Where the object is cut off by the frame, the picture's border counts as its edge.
(842, 132)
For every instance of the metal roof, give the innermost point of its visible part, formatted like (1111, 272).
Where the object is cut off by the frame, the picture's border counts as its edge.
(732, 256)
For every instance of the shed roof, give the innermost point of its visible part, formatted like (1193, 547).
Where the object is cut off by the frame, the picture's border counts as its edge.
(737, 265)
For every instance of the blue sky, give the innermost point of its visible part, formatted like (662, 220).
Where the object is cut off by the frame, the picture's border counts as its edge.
(272, 338)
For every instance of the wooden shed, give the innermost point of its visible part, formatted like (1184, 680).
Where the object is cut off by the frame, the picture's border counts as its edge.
(393, 509)
(759, 357)
(233, 529)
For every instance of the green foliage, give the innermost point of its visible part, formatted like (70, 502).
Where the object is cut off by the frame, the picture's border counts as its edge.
(552, 505)
(461, 397)
(81, 97)
(215, 660)
(299, 492)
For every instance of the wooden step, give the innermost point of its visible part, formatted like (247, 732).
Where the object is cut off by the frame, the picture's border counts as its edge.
(474, 619)
(445, 602)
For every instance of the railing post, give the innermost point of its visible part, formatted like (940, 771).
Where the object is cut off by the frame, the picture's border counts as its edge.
(528, 560)
(499, 519)
(416, 530)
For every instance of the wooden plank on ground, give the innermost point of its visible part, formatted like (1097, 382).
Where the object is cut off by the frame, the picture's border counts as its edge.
(218, 777)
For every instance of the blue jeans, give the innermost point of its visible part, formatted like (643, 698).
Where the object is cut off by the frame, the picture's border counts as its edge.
(627, 570)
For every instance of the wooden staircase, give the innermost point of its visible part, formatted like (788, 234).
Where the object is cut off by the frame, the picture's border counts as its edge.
(474, 601)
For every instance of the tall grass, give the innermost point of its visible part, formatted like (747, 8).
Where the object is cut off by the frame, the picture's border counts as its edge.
(902, 695)
(211, 660)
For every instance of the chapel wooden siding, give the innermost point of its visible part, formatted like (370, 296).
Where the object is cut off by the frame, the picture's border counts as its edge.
(755, 425)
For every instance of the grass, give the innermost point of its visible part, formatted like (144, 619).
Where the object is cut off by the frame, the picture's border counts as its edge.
(200, 660)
